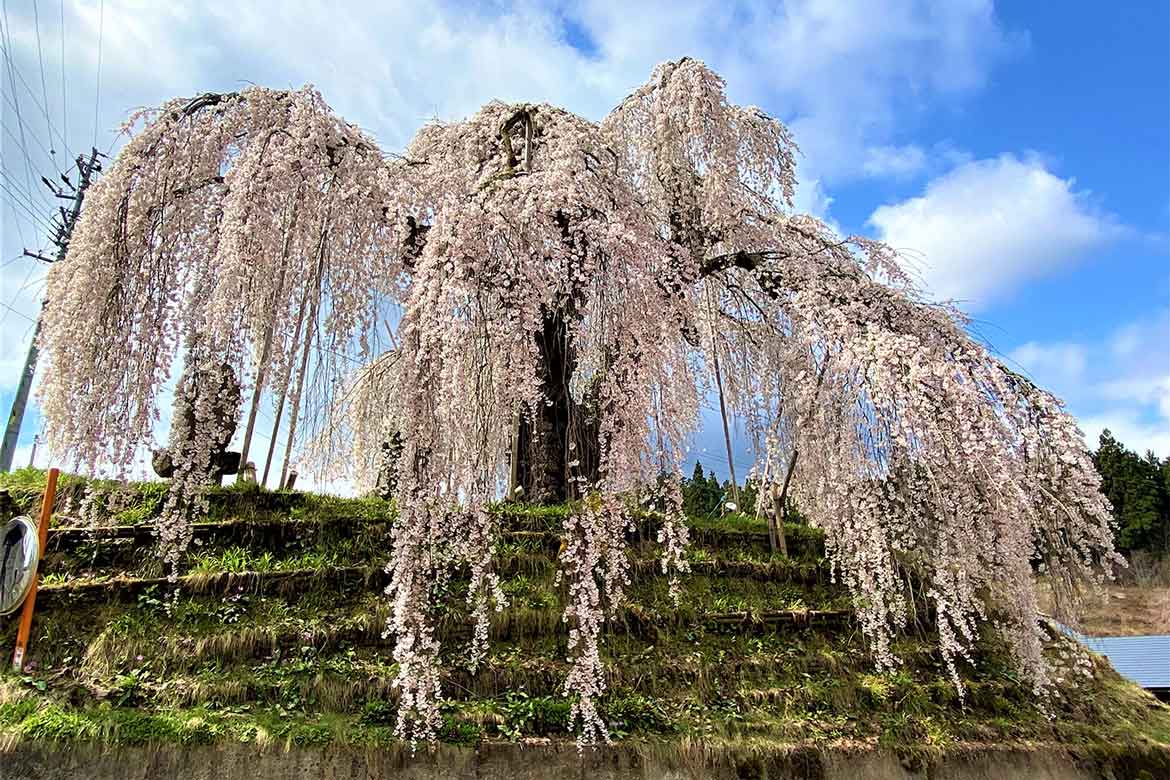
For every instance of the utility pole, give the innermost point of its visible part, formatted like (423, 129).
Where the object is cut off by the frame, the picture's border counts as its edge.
(68, 218)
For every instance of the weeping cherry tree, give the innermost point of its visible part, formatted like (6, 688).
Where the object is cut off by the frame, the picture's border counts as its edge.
(557, 292)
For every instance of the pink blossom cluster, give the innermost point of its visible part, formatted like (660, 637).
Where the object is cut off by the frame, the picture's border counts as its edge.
(663, 238)
(224, 225)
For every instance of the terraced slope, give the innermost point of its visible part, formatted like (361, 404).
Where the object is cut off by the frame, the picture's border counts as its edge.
(273, 639)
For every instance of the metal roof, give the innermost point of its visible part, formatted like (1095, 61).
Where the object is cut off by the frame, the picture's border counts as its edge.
(1143, 659)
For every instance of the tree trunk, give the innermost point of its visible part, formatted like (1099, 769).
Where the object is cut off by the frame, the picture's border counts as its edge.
(559, 440)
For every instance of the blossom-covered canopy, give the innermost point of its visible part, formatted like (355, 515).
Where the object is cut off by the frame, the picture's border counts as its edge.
(529, 259)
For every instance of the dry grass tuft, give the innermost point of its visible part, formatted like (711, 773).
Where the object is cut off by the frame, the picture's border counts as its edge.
(1120, 610)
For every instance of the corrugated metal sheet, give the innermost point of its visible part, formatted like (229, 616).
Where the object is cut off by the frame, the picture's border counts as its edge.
(1143, 659)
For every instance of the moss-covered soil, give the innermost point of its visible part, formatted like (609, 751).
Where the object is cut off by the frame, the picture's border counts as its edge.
(273, 636)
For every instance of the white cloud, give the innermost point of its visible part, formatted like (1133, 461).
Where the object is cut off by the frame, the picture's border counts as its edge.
(1126, 390)
(1143, 390)
(1066, 361)
(912, 160)
(1130, 430)
(987, 226)
(854, 72)
(1127, 340)
(811, 198)
(894, 161)
(843, 74)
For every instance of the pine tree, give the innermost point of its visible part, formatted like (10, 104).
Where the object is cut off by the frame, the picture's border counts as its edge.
(1139, 490)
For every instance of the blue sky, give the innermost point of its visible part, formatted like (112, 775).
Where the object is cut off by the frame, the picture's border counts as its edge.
(1019, 154)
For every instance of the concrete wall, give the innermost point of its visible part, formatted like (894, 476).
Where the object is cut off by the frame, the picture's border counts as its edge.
(43, 761)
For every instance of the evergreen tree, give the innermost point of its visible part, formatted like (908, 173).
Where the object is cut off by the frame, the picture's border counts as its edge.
(701, 493)
(1139, 490)
(749, 494)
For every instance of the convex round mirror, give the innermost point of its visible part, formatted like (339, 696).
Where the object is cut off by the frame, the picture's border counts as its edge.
(20, 549)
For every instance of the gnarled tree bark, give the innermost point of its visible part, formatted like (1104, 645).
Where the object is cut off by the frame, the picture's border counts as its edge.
(559, 440)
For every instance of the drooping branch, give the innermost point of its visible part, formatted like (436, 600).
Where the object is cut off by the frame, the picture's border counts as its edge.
(188, 238)
(567, 274)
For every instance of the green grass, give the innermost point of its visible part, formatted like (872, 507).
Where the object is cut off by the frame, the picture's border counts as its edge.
(304, 662)
(112, 502)
(237, 559)
(330, 700)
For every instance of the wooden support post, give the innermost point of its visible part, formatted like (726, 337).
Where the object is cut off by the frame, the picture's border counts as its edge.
(781, 503)
(726, 435)
(778, 541)
(514, 464)
(772, 518)
(723, 410)
(296, 345)
(269, 332)
(310, 325)
(30, 600)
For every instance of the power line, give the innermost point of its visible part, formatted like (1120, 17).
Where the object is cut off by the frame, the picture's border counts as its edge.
(14, 101)
(15, 96)
(98, 96)
(85, 169)
(37, 219)
(27, 282)
(24, 197)
(20, 198)
(64, 102)
(17, 312)
(36, 101)
(19, 142)
(33, 196)
(41, 61)
(19, 232)
(30, 198)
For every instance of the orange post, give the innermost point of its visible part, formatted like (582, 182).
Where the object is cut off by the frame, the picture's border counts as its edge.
(31, 600)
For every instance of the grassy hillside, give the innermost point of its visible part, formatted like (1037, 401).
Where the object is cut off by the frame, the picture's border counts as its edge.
(272, 636)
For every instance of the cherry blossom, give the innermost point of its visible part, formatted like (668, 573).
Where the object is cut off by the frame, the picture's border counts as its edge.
(638, 249)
